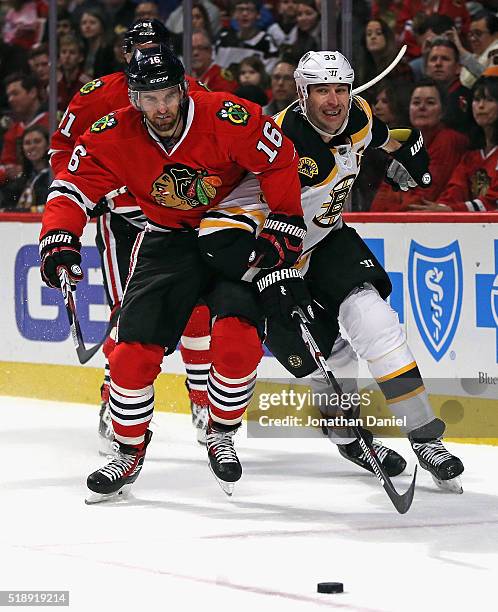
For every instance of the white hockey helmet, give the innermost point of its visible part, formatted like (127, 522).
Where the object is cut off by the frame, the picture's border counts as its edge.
(317, 67)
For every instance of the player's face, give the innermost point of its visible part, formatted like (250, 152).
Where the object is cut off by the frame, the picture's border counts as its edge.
(161, 109)
(327, 105)
(484, 109)
(426, 110)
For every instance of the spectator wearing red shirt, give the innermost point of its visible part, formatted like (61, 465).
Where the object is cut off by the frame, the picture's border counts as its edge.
(24, 101)
(456, 9)
(473, 186)
(444, 145)
(205, 70)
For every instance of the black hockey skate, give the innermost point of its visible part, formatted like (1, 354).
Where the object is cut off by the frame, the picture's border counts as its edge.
(115, 479)
(200, 416)
(444, 467)
(391, 461)
(223, 460)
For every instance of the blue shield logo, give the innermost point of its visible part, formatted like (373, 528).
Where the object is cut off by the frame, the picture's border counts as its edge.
(435, 280)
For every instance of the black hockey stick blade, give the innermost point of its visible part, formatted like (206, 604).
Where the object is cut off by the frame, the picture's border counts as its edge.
(402, 502)
(84, 354)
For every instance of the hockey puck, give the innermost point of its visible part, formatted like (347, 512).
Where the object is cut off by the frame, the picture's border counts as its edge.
(330, 587)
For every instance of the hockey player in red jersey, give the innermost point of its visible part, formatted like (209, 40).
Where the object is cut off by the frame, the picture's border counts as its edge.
(116, 233)
(179, 155)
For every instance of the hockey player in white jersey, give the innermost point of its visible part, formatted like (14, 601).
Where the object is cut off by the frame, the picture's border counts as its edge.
(330, 129)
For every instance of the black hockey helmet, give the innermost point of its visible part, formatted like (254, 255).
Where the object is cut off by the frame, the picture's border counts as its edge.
(145, 31)
(154, 68)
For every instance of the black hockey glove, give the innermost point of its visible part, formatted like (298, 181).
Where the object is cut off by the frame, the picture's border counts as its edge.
(281, 291)
(410, 166)
(60, 248)
(280, 242)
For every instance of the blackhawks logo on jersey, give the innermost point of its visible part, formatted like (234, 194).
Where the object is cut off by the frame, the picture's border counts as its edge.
(182, 187)
(91, 86)
(233, 112)
(479, 183)
(308, 167)
(104, 123)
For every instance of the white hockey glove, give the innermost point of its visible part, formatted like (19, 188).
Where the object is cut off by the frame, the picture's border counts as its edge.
(399, 177)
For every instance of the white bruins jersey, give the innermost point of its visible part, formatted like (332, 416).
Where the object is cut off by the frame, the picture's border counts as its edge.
(327, 172)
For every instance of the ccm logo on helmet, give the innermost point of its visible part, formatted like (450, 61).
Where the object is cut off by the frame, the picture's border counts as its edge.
(158, 80)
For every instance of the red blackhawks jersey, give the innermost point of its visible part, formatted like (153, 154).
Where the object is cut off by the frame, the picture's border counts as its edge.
(224, 137)
(473, 185)
(93, 101)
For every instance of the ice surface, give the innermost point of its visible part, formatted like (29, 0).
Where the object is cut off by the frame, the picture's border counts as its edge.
(300, 515)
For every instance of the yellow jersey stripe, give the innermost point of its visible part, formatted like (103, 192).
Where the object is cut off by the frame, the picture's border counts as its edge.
(402, 370)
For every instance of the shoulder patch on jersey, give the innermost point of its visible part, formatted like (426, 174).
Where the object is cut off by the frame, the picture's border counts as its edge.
(184, 188)
(104, 123)
(227, 74)
(234, 113)
(307, 166)
(91, 86)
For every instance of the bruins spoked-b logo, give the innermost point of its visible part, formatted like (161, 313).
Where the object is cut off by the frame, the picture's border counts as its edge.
(307, 167)
(91, 86)
(233, 112)
(104, 123)
(182, 187)
(333, 208)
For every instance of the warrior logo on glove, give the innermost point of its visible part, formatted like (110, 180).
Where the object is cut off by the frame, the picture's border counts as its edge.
(280, 242)
(410, 166)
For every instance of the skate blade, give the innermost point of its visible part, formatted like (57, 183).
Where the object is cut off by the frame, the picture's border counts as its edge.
(97, 498)
(226, 487)
(454, 485)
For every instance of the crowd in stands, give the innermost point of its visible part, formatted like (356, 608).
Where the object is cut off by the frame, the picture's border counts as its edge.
(446, 85)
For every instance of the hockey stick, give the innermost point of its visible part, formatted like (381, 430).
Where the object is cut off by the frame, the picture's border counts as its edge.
(380, 76)
(402, 502)
(83, 353)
